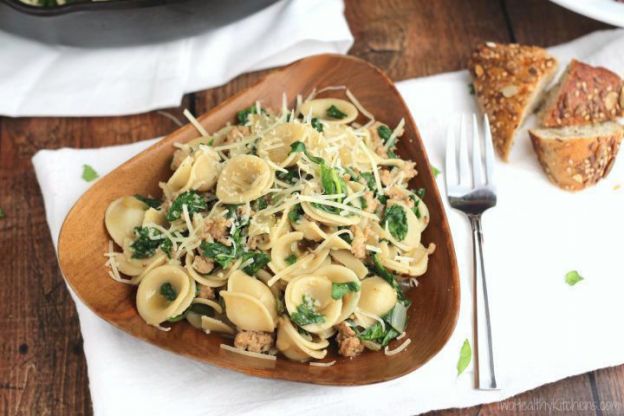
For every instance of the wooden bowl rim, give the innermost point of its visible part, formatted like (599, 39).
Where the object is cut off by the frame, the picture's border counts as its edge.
(165, 141)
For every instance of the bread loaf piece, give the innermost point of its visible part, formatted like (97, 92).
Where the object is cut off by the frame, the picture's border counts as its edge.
(509, 80)
(577, 157)
(584, 95)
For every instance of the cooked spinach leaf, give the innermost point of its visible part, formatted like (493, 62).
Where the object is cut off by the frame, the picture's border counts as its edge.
(150, 202)
(377, 334)
(341, 289)
(384, 133)
(168, 291)
(291, 177)
(260, 260)
(243, 115)
(147, 241)
(396, 221)
(317, 124)
(331, 181)
(295, 213)
(335, 113)
(260, 203)
(298, 146)
(306, 313)
(369, 177)
(382, 272)
(223, 255)
(202, 309)
(193, 201)
(395, 323)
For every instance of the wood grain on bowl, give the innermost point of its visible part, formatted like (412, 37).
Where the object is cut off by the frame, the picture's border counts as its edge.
(84, 239)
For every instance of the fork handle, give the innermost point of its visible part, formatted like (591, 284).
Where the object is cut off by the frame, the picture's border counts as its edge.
(484, 350)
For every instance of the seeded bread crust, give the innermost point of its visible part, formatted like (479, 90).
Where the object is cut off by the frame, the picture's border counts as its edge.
(508, 82)
(574, 159)
(584, 95)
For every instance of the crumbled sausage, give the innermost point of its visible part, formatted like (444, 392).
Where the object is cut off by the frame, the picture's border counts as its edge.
(206, 292)
(218, 229)
(254, 241)
(236, 134)
(385, 176)
(371, 202)
(399, 194)
(203, 265)
(409, 170)
(358, 243)
(376, 142)
(254, 341)
(349, 345)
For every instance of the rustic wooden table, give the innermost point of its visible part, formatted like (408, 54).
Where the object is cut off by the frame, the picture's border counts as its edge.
(42, 367)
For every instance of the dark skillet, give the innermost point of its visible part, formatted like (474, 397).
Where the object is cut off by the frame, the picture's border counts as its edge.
(121, 22)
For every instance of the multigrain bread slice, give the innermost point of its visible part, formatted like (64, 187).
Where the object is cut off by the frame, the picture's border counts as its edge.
(584, 95)
(508, 82)
(579, 156)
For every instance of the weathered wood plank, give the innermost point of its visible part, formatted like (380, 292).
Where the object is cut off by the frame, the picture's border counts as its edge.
(543, 23)
(415, 38)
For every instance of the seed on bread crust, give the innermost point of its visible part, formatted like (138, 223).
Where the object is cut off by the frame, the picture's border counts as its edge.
(574, 158)
(584, 95)
(508, 79)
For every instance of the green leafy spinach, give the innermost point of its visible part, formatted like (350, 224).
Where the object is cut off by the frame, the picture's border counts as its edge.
(193, 201)
(150, 202)
(260, 260)
(306, 313)
(168, 291)
(317, 124)
(335, 113)
(396, 221)
(147, 241)
(340, 289)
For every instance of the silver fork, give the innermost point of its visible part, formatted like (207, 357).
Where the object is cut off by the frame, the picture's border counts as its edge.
(473, 199)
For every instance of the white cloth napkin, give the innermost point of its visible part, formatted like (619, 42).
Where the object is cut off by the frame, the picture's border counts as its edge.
(45, 80)
(544, 329)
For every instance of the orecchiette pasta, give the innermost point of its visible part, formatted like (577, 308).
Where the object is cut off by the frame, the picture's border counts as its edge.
(313, 292)
(244, 178)
(275, 145)
(377, 297)
(122, 216)
(164, 292)
(288, 230)
(331, 110)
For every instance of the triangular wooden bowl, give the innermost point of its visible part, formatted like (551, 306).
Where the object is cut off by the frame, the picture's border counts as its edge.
(433, 315)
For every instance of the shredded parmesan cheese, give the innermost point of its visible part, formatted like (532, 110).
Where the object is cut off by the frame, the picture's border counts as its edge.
(195, 123)
(359, 106)
(372, 248)
(397, 131)
(316, 199)
(398, 349)
(322, 364)
(374, 166)
(371, 316)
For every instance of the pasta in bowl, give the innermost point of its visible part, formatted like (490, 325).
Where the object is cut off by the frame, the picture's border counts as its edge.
(292, 230)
